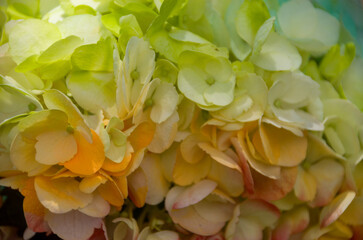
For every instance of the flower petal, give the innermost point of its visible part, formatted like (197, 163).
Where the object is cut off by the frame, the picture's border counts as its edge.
(90, 156)
(73, 225)
(55, 147)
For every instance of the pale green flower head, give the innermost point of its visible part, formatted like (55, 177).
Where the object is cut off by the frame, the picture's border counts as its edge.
(344, 128)
(310, 28)
(206, 80)
(294, 98)
(250, 100)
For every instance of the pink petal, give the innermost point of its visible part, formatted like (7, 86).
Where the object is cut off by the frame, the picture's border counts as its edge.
(73, 225)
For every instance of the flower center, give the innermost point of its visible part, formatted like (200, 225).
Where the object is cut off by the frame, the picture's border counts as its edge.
(210, 81)
(135, 74)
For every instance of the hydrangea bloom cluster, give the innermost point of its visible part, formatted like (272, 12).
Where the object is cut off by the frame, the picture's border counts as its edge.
(177, 119)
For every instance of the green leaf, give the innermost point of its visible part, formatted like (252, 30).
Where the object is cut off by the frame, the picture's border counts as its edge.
(31, 37)
(250, 16)
(94, 57)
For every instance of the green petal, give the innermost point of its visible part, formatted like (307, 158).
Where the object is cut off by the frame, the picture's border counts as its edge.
(250, 16)
(166, 71)
(162, 109)
(87, 27)
(14, 101)
(352, 82)
(31, 37)
(100, 86)
(94, 57)
(277, 54)
(60, 49)
(129, 27)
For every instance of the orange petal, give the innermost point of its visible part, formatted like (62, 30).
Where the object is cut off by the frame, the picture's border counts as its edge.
(113, 167)
(142, 135)
(34, 211)
(89, 157)
(190, 150)
(111, 193)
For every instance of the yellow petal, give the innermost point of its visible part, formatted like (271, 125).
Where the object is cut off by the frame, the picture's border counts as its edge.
(55, 147)
(281, 146)
(22, 155)
(113, 167)
(90, 156)
(89, 184)
(185, 173)
(305, 186)
(354, 213)
(190, 150)
(60, 195)
(111, 193)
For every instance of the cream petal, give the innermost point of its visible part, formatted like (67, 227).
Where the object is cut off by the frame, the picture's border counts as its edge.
(55, 147)
(305, 185)
(127, 229)
(98, 208)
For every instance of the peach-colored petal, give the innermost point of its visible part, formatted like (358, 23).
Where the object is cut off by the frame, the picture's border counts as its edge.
(335, 208)
(260, 211)
(271, 189)
(329, 175)
(291, 222)
(73, 225)
(305, 186)
(222, 210)
(55, 147)
(156, 183)
(60, 195)
(219, 156)
(34, 211)
(194, 194)
(189, 219)
(229, 180)
(190, 150)
(90, 156)
(247, 176)
(137, 184)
